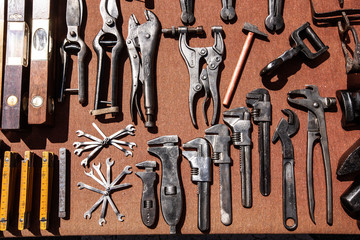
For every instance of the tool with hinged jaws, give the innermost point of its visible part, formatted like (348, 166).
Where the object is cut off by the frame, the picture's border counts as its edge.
(166, 148)
(149, 204)
(252, 31)
(187, 15)
(41, 89)
(73, 44)
(284, 131)
(315, 105)
(274, 22)
(297, 39)
(9, 175)
(47, 170)
(219, 138)
(142, 43)
(108, 39)
(26, 190)
(228, 11)
(239, 121)
(259, 101)
(206, 79)
(16, 70)
(201, 174)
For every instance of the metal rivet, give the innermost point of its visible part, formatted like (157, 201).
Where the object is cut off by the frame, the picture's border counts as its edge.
(147, 35)
(12, 100)
(37, 101)
(316, 105)
(73, 33)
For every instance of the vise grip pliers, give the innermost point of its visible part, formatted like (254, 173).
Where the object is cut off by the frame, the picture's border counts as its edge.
(73, 43)
(207, 79)
(108, 39)
(142, 44)
(315, 105)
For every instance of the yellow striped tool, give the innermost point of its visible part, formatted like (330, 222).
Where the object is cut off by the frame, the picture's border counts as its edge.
(45, 193)
(7, 188)
(26, 190)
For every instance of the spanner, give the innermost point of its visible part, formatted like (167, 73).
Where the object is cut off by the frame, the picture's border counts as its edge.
(88, 213)
(82, 185)
(97, 169)
(228, 10)
(275, 21)
(91, 174)
(80, 151)
(84, 162)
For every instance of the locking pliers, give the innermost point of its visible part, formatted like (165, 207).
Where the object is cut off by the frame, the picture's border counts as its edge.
(142, 43)
(108, 39)
(315, 105)
(73, 43)
(207, 79)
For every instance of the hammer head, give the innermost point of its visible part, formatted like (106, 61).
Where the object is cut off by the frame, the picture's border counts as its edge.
(248, 27)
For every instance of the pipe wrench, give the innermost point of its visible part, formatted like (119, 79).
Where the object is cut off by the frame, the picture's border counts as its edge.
(316, 106)
(109, 38)
(142, 43)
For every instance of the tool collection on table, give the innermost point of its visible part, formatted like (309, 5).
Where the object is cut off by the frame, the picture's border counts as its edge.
(28, 58)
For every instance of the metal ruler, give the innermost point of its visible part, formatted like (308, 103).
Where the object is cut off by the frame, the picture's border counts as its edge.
(7, 188)
(26, 189)
(45, 192)
(62, 182)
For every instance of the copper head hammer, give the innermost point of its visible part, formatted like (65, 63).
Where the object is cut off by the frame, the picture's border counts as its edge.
(251, 31)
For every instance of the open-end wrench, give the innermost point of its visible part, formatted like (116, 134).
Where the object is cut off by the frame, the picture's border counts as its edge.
(120, 186)
(109, 164)
(82, 185)
(103, 212)
(228, 10)
(88, 213)
(91, 174)
(127, 170)
(80, 151)
(131, 145)
(84, 162)
(275, 21)
(99, 131)
(127, 152)
(81, 144)
(129, 129)
(80, 133)
(116, 211)
(97, 169)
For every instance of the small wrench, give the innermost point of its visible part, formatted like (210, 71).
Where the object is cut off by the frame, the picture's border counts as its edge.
(127, 152)
(275, 21)
(116, 211)
(125, 171)
(80, 133)
(131, 145)
(80, 151)
(109, 164)
(91, 174)
(82, 185)
(88, 213)
(81, 144)
(103, 212)
(84, 162)
(97, 169)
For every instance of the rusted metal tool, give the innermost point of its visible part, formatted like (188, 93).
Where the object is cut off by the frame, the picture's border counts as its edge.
(259, 101)
(309, 99)
(239, 121)
(108, 39)
(149, 204)
(73, 43)
(187, 8)
(41, 89)
(201, 174)
(142, 43)
(298, 36)
(275, 21)
(251, 31)
(15, 81)
(350, 105)
(284, 131)
(228, 11)
(166, 148)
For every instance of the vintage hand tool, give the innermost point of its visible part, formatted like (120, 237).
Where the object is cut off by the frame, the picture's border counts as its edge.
(315, 105)
(259, 101)
(98, 144)
(207, 79)
(73, 43)
(187, 8)
(62, 182)
(219, 138)
(9, 172)
(26, 190)
(108, 39)
(239, 121)
(275, 21)
(47, 170)
(297, 37)
(228, 10)
(284, 131)
(149, 204)
(142, 43)
(350, 199)
(15, 84)
(350, 106)
(109, 188)
(201, 174)
(41, 102)
(251, 31)
(166, 148)
(3, 7)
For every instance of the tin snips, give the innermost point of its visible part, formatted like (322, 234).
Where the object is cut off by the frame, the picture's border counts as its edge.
(142, 43)
(73, 43)
(310, 100)
(108, 39)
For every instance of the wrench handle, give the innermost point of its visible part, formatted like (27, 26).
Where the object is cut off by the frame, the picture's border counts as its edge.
(290, 219)
(264, 158)
(203, 206)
